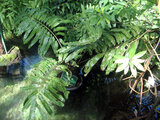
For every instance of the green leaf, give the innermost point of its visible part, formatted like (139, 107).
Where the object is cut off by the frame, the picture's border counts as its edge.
(73, 55)
(133, 70)
(138, 60)
(50, 96)
(54, 44)
(126, 70)
(29, 99)
(42, 112)
(60, 33)
(32, 110)
(140, 54)
(60, 29)
(111, 38)
(122, 60)
(111, 67)
(138, 65)
(107, 57)
(132, 49)
(91, 63)
(45, 104)
(122, 66)
(73, 79)
(124, 31)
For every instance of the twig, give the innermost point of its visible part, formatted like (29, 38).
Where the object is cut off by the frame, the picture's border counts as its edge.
(128, 77)
(140, 36)
(155, 90)
(137, 91)
(148, 48)
(156, 77)
(154, 49)
(141, 95)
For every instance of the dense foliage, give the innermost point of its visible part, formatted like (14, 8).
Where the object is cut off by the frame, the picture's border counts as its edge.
(47, 89)
(116, 35)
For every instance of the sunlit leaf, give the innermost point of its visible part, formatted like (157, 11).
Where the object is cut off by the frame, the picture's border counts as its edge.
(126, 70)
(122, 66)
(122, 60)
(133, 70)
(132, 49)
(140, 54)
(138, 65)
(91, 63)
(138, 60)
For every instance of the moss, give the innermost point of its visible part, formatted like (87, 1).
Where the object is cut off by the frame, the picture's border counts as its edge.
(10, 58)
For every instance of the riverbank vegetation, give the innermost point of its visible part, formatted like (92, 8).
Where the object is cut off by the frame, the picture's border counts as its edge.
(115, 35)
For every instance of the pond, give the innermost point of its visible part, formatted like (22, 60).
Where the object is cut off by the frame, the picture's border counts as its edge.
(99, 98)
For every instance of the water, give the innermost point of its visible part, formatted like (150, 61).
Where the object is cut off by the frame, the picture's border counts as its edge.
(99, 98)
(11, 98)
(24, 64)
(11, 94)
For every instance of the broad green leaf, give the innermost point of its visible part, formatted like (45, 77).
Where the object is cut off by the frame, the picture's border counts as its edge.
(126, 33)
(138, 65)
(26, 36)
(122, 60)
(138, 60)
(132, 49)
(111, 67)
(136, 29)
(31, 35)
(35, 39)
(29, 87)
(126, 70)
(91, 63)
(140, 54)
(122, 66)
(107, 57)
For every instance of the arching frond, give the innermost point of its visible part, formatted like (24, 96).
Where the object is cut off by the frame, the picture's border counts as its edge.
(46, 88)
(39, 26)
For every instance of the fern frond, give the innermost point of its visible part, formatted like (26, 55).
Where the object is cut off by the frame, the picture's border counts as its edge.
(8, 12)
(39, 26)
(46, 88)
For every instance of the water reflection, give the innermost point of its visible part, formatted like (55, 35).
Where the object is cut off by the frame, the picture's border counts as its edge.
(11, 98)
(99, 98)
(24, 65)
